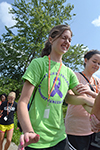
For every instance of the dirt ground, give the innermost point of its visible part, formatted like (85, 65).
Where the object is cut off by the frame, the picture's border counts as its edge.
(13, 146)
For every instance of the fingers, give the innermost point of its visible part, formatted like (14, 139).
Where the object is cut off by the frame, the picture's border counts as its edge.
(28, 138)
(95, 123)
(33, 138)
(83, 89)
(80, 88)
(21, 145)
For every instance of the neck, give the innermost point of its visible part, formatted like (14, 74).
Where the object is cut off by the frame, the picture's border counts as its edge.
(55, 57)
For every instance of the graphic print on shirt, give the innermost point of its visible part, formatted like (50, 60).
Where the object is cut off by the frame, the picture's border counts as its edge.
(56, 91)
(9, 109)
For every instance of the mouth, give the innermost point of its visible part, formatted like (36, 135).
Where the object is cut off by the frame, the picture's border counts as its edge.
(65, 48)
(95, 68)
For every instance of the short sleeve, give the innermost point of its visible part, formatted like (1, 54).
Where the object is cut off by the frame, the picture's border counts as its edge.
(33, 72)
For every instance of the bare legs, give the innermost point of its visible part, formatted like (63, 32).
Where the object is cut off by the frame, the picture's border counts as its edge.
(1, 139)
(8, 139)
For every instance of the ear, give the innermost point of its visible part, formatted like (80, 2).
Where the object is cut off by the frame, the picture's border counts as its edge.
(85, 60)
(50, 40)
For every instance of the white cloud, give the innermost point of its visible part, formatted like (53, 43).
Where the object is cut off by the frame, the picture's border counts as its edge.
(96, 22)
(5, 17)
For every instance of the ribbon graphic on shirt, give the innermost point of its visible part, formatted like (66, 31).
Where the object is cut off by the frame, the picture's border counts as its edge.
(56, 89)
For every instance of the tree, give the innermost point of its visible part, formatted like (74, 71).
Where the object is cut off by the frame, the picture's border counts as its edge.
(34, 19)
(74, 57)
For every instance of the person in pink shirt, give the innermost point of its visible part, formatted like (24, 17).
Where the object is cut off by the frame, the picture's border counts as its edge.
(77, 120)
(95, 115)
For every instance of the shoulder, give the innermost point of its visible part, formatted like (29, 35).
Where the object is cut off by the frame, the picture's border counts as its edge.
(39, 60)
(97, 80)
(15, 103)
(79, 76)
(4, 103)
(38, 63)
(68, 69)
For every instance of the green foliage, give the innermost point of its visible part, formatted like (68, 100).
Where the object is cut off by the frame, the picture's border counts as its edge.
(16, 133)
(33, 20)
(7, 85)
(74, 57)
(25, 40)
(64, 107)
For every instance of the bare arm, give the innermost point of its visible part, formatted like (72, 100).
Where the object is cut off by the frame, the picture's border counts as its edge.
(95, 115)
(22, 110)
(87, 108)
(96, 107)
(78, 99)
(23, 116)
(85, 89)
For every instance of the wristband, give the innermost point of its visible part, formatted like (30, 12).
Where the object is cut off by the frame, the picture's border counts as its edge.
(31, 132)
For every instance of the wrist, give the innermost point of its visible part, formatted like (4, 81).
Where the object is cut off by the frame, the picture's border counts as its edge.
(31, 132)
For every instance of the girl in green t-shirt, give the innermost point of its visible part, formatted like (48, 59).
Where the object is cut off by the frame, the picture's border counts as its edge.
(43, 126)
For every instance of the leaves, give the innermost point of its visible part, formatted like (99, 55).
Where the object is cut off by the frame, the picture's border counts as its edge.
(24, 41)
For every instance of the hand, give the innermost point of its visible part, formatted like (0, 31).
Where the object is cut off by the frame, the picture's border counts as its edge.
(28, 138)
(95, 123)
(83, 89)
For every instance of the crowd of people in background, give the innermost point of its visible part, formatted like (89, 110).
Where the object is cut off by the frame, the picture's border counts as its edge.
(43, 125)
(7, 109)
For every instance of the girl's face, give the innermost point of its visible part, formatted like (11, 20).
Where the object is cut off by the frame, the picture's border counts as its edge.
(62, 44)
(3, 98)
(93, 64)
(11, 99)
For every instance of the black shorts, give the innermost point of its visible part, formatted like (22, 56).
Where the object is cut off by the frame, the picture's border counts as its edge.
(63, 145)
(81, 142)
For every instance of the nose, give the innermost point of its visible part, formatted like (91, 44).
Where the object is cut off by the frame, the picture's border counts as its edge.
(67, 41)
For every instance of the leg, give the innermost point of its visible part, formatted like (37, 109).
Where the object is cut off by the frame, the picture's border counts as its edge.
(8, 139)
(63, 145)
(79, 142)
(1, 139)
(95, 141)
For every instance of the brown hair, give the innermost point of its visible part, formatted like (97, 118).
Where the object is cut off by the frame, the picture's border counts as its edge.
(55, 33)
(90, 53)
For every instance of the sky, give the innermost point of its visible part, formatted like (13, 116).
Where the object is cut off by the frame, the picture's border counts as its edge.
(85, 25)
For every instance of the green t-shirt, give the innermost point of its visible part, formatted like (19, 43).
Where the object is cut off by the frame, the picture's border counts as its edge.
(52, 129)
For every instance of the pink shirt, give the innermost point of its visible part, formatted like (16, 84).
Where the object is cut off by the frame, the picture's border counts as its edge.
(77, 118)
